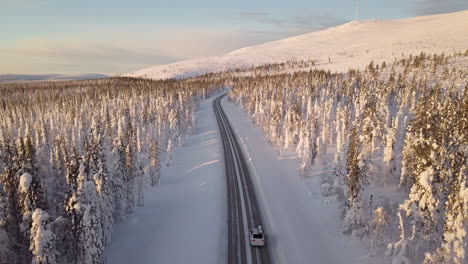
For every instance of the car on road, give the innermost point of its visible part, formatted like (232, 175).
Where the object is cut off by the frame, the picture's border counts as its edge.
(257, 238)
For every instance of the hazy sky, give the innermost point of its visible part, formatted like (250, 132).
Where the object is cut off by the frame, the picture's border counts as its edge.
(110, 37)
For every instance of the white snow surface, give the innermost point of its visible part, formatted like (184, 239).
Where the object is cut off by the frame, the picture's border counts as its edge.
(300, 226)
(184, 217)
(351, 45)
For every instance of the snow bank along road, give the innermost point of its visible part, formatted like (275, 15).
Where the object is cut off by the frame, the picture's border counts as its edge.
(243, 209)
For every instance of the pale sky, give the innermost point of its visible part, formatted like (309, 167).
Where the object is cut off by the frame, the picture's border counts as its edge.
(111, 37)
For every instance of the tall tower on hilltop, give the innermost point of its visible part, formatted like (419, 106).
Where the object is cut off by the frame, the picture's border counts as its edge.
(356, 10)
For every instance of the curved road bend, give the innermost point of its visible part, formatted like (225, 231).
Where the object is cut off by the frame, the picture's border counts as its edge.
(243, 209)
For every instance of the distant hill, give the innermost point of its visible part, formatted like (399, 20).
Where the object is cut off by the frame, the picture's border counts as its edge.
(49, 77)
(353, 44)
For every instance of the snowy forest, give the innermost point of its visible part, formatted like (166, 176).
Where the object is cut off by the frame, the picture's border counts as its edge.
(77, 156)
(391, 142)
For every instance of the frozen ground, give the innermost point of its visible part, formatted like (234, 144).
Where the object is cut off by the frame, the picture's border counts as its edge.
(301, 227)
(184, 218)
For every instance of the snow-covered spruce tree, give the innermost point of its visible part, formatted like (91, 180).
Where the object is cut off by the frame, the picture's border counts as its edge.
(86, 225)
(355, 181)
(292, 120)
(155, 162)
(140, 175)
(304, 145)
(399, 250)
(72, 170)
(310, 149)
(174, 133)
(43, 242)
(98, 171)
(6, 251)
(72, 216)
(389, 158)
(379, 229)
(170, 147)
(368, 125)
(119, 174)
(129, 179)
(58, 160)
(12, 216)
(339, 161)
(101, 180)
(27, 206)
(275, 123)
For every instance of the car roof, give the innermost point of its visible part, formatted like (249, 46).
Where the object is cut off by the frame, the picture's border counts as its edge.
(256, 231)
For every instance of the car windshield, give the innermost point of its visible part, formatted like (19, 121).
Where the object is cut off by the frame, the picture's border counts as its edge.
(258, 236)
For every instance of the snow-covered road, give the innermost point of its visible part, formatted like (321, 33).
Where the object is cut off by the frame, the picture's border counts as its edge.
(243, 209)
(184, 218)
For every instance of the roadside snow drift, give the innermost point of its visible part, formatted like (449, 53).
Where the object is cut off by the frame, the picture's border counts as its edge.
(352, 45)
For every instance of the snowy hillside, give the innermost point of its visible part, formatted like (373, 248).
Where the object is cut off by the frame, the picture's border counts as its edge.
(354, 44)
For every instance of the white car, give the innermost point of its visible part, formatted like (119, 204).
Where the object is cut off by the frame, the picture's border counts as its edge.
(256, 237)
